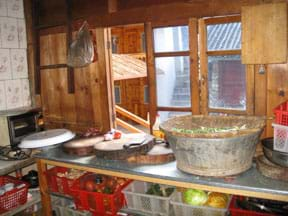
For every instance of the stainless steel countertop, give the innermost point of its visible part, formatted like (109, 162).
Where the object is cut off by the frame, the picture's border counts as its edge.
(10, 166)
(251, 180)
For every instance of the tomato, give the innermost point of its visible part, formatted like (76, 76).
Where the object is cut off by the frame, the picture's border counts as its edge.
(117, 135)
(89, 185)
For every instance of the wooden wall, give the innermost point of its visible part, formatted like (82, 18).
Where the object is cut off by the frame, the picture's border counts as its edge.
(271, 88)
(132, 96)
(87, 107)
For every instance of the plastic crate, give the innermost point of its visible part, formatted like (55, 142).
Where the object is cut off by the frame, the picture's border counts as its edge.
(280, 138)
(183, 209)
(14, 197)
(281, 114)
(137, 199)
(59, 184)
(236, 211)
(96, 202)
(65, 207)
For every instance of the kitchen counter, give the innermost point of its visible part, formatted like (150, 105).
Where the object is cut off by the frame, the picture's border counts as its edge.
(250, 183)
(10, 166)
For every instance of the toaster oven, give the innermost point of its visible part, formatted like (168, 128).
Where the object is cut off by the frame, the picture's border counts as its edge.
(15, 125)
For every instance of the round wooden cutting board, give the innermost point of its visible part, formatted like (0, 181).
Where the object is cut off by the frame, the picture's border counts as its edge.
(159, 154)
(270, 169)
(123, 148)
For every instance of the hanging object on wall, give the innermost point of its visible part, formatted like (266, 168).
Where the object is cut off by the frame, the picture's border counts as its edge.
(82, 50)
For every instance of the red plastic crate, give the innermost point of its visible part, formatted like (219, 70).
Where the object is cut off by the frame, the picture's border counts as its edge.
(15, 197)
(96, 202)
(236, 211)
(59, 184)
(281, 114)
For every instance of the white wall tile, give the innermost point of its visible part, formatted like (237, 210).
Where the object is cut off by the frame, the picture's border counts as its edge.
(9, 33)
(3, 8)
(13, 94)
(19, 63)
(2, 96)
(5, 64)
(25, 90)
(15, 8)
(21, 27)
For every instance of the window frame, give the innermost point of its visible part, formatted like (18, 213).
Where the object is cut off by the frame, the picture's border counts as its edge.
(192, 53)
(204, 54)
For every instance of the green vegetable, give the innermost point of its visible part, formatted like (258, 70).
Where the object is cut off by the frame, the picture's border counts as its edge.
(195, 197)
(156, 189)
(203, 130)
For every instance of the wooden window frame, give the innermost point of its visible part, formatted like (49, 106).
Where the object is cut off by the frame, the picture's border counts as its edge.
(204, 53)
(192, 24)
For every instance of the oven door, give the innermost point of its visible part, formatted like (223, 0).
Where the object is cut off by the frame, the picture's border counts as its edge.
(21, 126)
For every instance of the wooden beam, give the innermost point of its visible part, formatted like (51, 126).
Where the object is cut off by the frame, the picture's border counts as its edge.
(171, 54)
(203, 67)
(194, 66)
(151, 73)
(132, 116)
(128, 126)
(70, 71)
(112, 6)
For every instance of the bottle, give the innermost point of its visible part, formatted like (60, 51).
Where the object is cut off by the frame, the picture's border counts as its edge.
(156, 130)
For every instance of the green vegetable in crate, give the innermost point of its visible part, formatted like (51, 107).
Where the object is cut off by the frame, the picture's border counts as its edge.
(195, 197)
(159, 190)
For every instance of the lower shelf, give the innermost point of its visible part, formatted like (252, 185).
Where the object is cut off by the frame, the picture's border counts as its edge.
(36, 198)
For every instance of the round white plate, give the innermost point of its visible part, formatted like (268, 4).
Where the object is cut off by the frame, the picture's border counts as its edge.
(46, 138)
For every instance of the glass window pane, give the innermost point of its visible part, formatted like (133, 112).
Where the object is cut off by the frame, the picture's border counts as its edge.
(146, 94)
(226, 82)
(117, 94)
(224, 36)
(171, 39)
(165, 115)
(173, 81)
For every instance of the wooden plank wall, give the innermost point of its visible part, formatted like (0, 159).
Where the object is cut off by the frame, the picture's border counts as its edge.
(85, 108)
(271, 88)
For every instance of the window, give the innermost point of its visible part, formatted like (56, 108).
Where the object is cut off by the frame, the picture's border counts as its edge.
(115, 44)
(146, 94)
(225, 87)
(175, 69)
(143, 42)
(117, 93)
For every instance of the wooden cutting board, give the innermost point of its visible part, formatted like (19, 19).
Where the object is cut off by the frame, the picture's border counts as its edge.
(157, 155)
(115, 150)
(271, 170)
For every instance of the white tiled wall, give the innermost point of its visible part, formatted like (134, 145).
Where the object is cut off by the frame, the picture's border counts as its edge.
(14, 83)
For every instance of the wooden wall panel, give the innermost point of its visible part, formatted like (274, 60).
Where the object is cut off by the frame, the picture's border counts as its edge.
(85, 108)
(264, 33)
(53, 49)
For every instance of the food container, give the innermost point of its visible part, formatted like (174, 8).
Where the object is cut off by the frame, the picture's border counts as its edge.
(280, 138)
(182, 209)
(281, 114)
(277, 157)
(14, 193)
(99, 203)
(59, 181)
(223, 153)
(138, 200)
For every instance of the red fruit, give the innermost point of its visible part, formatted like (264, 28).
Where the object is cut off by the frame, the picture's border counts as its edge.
(89, 185)
(117, 135)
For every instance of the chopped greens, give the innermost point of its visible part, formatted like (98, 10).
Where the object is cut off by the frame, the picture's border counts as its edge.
(204, 130)
(159, 190)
